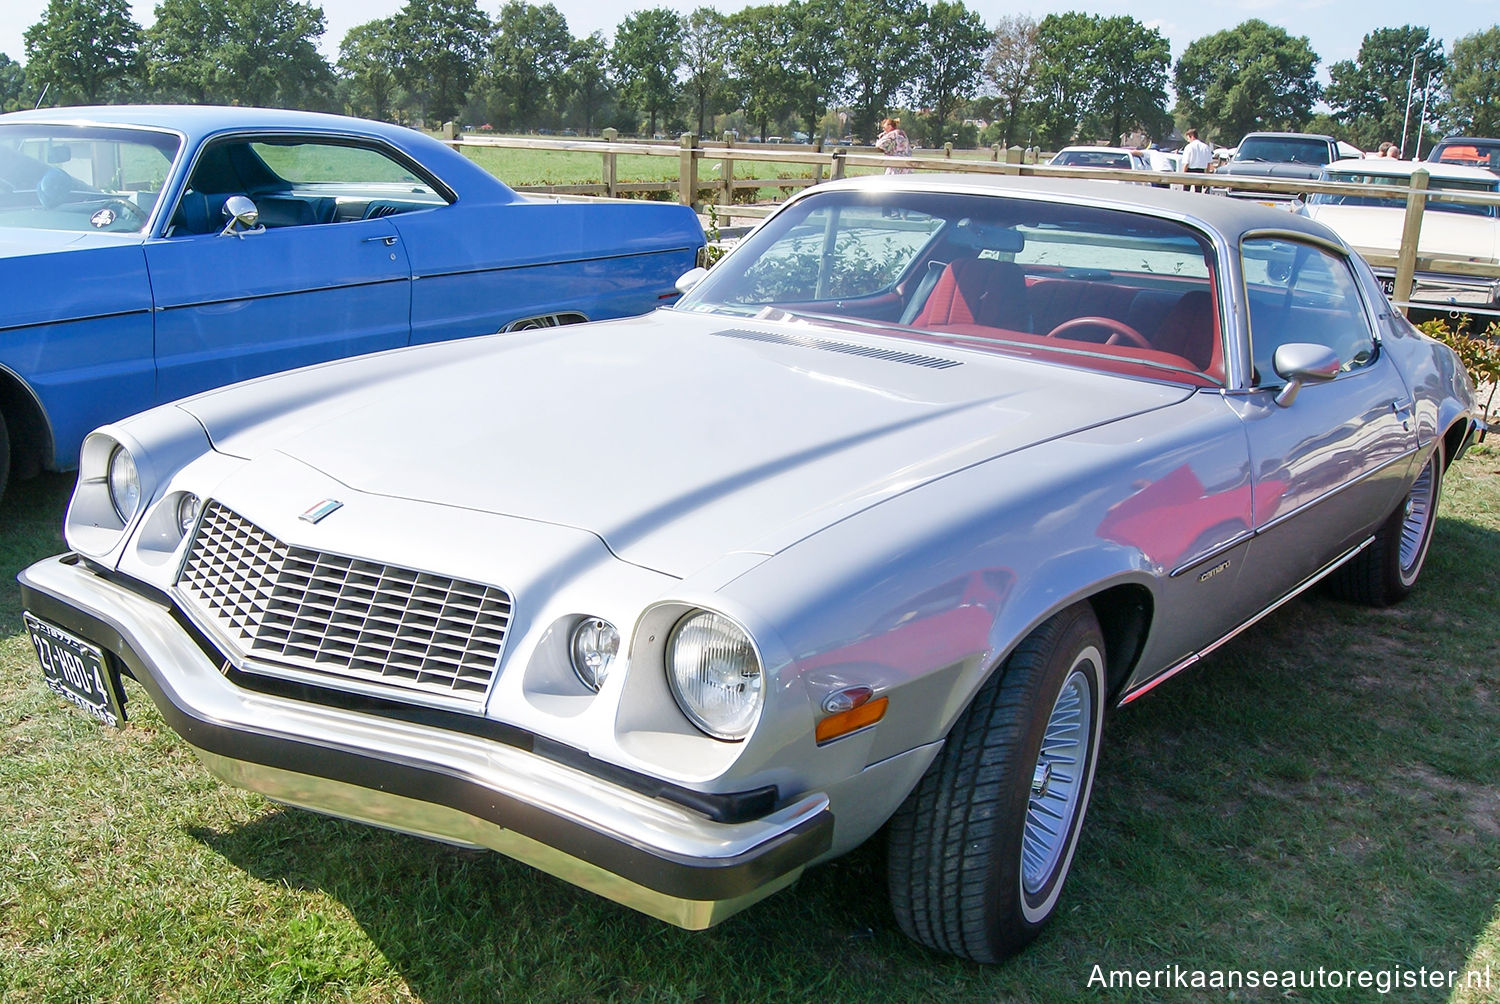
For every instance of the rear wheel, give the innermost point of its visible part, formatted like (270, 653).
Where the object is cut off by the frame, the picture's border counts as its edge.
(979, 851)
(1385, 572)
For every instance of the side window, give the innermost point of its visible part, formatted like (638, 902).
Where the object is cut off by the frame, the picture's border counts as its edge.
(301, 181)
(1303, 293)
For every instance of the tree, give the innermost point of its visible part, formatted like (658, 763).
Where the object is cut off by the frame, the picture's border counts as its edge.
(86, 50)
(1011, 66)
(528, 57)
(877, 42)
(1474, 84)
(1250, 77)
(759, 40)
(367, 60)
(704, 41)
(440, 44)
(586, 80)
(949, 57)
(1062, 89)
(645, 58)
(13, 87)
(1129, 64)
(251, 52)
(1369, 93)
(813, 60)
(1101, 76)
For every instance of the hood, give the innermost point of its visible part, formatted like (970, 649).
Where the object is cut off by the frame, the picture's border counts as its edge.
(1378, 228)
(676, 438)
(18, 241)
(1270, 169)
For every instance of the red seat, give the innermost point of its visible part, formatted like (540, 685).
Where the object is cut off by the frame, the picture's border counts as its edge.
(1189, 331)
(976, 291)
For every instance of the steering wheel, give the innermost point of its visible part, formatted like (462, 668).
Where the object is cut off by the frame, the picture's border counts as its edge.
(1119, 331)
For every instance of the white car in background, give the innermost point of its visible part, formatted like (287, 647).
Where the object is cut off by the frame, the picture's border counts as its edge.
(1372, 224)
(1114, 158)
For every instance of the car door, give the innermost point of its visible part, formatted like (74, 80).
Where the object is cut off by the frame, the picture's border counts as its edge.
(1334, 462)
(313, 281)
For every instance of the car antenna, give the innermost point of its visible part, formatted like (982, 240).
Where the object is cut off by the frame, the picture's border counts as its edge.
(42, 97)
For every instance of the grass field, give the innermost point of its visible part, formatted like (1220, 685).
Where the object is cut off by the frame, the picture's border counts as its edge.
(525, 167)
(1323, 792)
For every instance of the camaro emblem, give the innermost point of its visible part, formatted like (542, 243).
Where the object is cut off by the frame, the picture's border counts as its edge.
(322, 509)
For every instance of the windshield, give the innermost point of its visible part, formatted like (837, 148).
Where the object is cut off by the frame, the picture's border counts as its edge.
(1284, 150)
(1398, 200)
(1101, 288)
(67, 177)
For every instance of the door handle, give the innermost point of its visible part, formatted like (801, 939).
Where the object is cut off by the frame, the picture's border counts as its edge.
(1403, 411)
(388, 240)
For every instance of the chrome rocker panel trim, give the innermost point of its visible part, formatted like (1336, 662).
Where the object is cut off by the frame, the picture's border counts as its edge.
(656, 857)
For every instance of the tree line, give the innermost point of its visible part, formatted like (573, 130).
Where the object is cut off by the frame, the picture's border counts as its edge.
(825, 67)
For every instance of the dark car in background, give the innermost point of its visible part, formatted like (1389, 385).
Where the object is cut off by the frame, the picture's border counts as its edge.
(1279, 156)
(1470, 151)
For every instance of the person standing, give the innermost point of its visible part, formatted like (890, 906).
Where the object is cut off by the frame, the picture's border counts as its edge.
(1196, 157)
(893, 143)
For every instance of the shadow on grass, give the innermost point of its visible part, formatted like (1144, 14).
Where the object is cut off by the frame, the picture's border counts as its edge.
(1320, 794)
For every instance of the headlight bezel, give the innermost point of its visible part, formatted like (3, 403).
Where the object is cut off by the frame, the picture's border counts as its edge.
(734, 728)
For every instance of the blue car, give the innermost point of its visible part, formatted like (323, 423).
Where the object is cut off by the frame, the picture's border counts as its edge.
(149, 253)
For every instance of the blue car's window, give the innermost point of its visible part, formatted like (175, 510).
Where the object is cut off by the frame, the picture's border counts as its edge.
(70, 177)
(300, 181)
(1102, 288)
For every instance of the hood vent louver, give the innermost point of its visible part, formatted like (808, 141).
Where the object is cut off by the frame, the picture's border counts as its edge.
(847, 348)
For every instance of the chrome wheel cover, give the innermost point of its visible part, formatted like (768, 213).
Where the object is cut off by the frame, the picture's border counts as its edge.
(1058, 782)
(1416, 520)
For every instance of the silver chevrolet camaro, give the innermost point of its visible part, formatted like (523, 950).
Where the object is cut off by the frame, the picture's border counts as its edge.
(869, 530)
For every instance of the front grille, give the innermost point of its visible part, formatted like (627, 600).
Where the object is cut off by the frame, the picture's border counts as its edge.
(353, 619)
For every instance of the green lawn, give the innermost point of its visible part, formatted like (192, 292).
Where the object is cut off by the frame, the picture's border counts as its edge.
(1323, 792)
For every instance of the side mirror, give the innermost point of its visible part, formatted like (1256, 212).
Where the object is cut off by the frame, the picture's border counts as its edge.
(690, 278)
(1303, 362)
(239, 209)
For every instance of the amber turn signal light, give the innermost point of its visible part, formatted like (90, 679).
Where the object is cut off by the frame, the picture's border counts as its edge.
(849, 721)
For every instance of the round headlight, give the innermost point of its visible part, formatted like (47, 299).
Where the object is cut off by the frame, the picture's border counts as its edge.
(715, 674)
(594, 647)
(188, 507)
(124, 484)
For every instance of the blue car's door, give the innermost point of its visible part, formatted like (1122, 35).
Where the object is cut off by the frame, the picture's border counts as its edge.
(315, 281)
(230, 308)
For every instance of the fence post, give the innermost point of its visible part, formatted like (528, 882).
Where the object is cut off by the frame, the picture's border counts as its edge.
(450, 132)
(836, 172)
(995, 153)
(948, 150)
(611, 182)
(1014, 155)
(687, 174)
(727, 171)
(1411, 234)
(818, 168)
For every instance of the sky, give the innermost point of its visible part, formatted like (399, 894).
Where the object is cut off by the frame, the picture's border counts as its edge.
(1334, 27)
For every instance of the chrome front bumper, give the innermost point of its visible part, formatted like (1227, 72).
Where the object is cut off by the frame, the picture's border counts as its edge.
(655, 856)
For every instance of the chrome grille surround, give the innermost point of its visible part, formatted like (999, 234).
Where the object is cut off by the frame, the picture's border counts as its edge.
(341, 621)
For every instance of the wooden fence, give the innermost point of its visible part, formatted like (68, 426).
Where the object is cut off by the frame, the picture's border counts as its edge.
(836, 162)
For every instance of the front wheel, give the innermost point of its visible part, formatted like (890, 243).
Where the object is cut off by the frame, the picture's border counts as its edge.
(1385, 572)
(980, 849)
